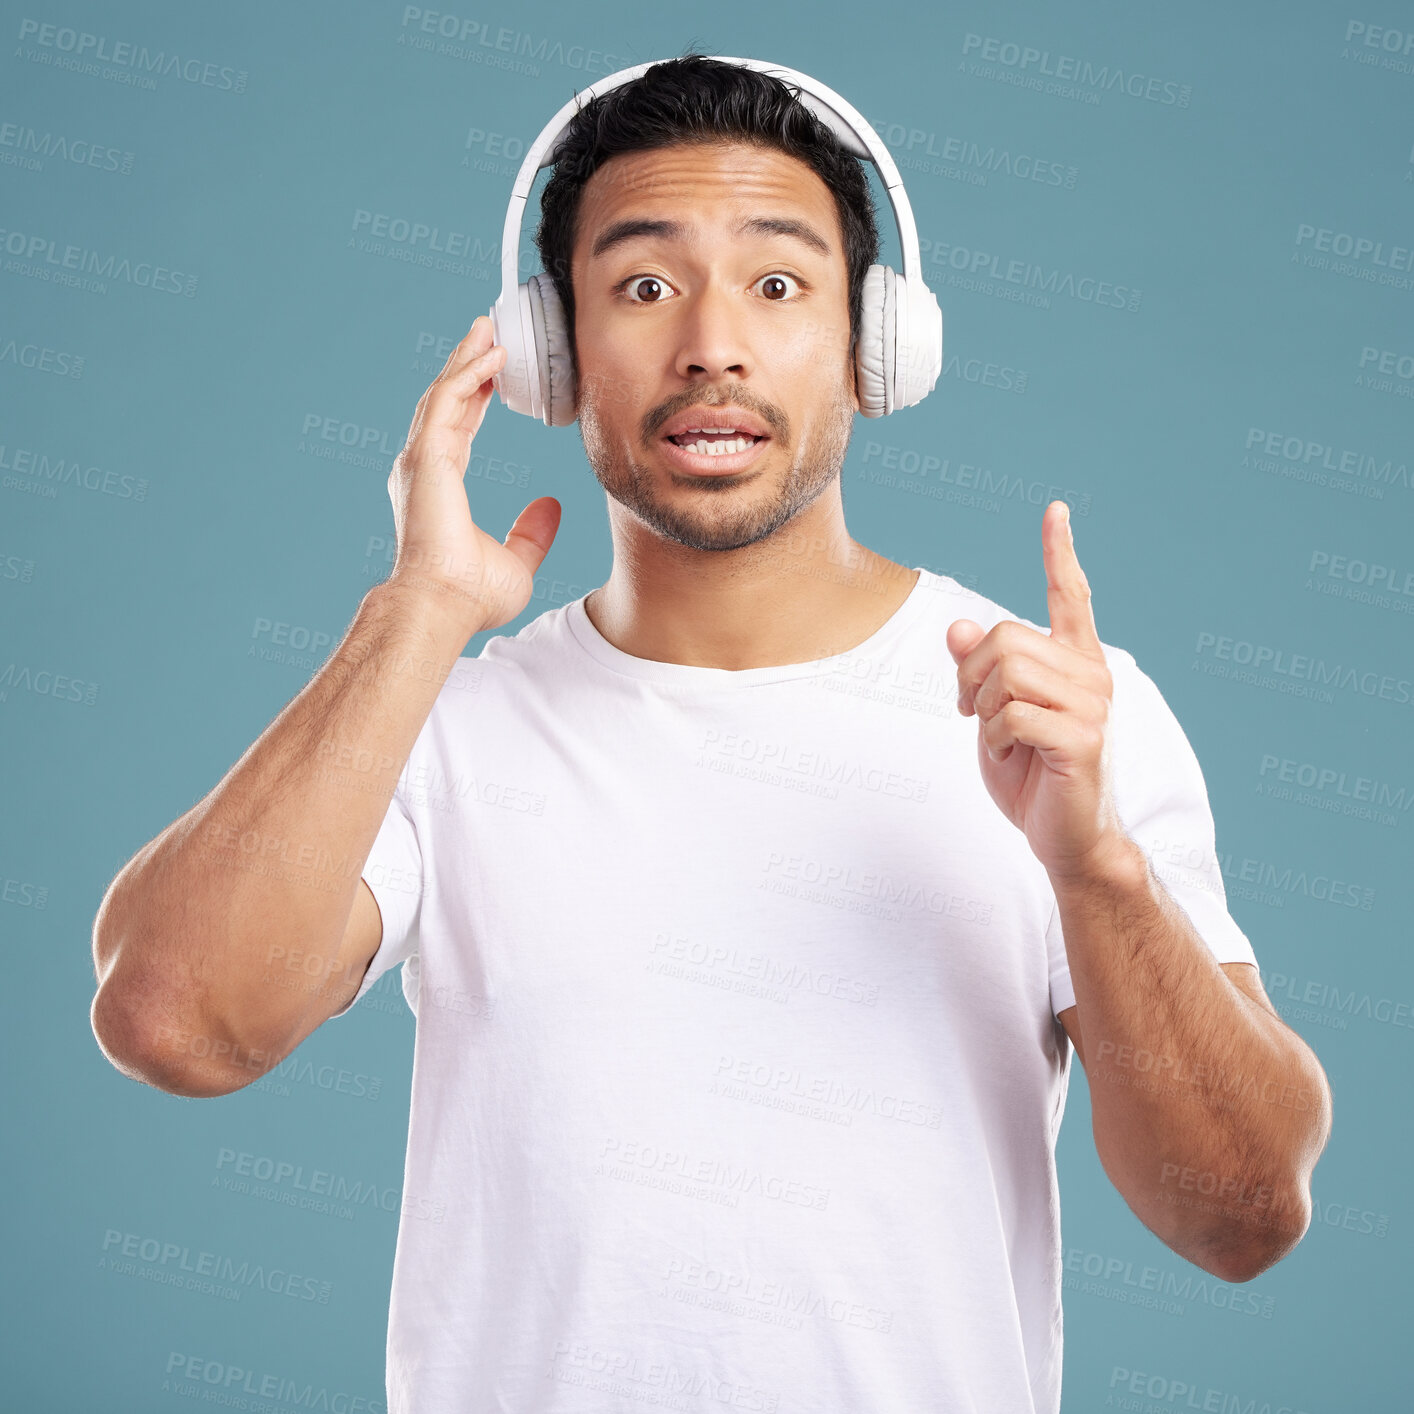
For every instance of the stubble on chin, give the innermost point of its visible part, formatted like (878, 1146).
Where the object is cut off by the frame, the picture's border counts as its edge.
(725, 516)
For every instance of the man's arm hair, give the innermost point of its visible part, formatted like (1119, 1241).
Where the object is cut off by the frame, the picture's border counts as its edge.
(193, 942)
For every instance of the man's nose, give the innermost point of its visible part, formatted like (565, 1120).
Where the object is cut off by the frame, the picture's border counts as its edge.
(712, 335)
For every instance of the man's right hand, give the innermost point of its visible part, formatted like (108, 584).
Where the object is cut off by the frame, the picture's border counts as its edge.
(442, 553)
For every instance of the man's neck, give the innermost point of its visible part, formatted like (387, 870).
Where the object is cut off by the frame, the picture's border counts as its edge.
(791, 609)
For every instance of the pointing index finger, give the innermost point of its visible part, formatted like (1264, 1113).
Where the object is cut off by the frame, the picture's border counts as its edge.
(1067, 589)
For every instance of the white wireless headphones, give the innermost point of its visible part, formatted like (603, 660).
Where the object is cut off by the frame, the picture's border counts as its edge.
(900, 349)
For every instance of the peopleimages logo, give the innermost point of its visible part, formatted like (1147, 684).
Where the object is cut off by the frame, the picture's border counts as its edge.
(1330, 780)
(1186, 1394)
(62, 46)
(944, 155)
(121, 1250)
(1380, 46)
(24, 147)
(49, 472)
(1070, 77)
(42, 359)
(1267, 450)
(1281, 663)
(1363, 581)
(1022, 281)
(461, 37)
(1386, 371)
(218, 1381)
(1149, 1286)
(1396, 257)
(44, 257)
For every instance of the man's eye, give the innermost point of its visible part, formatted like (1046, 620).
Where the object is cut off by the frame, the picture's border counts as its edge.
(644, 289)
(650, 289)
(775, 285)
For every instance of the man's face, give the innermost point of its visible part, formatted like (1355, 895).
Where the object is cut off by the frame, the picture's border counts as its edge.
(712, 313)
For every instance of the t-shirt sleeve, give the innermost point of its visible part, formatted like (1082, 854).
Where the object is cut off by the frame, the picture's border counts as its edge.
(1162, 801)
(393, 872)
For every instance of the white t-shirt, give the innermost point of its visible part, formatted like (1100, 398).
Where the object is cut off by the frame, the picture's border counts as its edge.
(737, 1074)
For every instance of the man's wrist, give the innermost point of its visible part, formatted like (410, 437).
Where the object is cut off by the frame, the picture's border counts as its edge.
(448, 610)
(1116, 862)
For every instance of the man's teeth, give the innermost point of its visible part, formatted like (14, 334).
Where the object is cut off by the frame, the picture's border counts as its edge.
(716, 448)
(719, 449)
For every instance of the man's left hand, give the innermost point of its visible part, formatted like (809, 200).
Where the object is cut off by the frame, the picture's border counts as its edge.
(1043, 709)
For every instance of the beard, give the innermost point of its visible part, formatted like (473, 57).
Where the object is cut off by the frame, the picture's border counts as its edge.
(720, 512)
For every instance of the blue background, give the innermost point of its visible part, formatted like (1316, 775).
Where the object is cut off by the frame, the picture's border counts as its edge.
(187, 462)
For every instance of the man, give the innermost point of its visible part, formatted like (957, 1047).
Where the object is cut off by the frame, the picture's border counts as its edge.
(746, 966)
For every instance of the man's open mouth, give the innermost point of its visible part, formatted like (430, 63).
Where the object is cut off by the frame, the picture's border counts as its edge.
(715, 441)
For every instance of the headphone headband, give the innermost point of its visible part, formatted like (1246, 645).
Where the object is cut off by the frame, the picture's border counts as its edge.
(841, 117)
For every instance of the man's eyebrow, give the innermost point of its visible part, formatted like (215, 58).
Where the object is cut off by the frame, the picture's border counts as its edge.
(631, 228)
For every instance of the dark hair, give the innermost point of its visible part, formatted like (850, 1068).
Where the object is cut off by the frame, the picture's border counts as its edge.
(695, 98)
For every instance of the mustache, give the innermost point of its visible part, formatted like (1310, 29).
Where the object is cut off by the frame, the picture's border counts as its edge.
(769, 414)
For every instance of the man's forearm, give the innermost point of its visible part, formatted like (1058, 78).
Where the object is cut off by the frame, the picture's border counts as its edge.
(1209, 1113)
(267, 864)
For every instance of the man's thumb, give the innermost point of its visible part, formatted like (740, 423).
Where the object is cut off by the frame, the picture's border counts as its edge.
(534, 532)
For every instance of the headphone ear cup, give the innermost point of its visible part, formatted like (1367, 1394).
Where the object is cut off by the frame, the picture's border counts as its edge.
(874, 352)
(553, 354)
(920, 342)
(513, 382)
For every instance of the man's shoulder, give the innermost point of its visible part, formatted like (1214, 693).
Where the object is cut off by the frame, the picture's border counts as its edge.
(507, 658)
